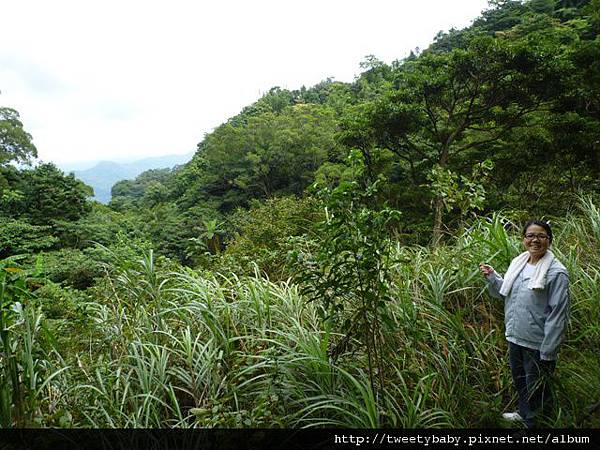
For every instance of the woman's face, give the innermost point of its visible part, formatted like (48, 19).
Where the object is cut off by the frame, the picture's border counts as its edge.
(536, 241)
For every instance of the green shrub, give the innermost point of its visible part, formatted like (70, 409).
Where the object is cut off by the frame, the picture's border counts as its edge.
(20, 237)
(71, 267)
(265, 234)
(59, 302)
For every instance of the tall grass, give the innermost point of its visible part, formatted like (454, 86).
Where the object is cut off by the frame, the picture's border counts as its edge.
(30, 370)
(163, 349)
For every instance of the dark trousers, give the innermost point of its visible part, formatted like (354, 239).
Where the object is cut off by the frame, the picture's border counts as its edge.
(531, 378)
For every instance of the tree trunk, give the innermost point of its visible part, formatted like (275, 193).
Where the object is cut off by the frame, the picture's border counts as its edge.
(438, 209)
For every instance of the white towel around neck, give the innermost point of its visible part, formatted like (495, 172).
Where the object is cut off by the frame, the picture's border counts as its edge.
(537, 281)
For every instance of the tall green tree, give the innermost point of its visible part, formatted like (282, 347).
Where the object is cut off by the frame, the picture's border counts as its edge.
(44, 194)
(271, 154)
(15, 142)
(448, 107)
(349, 274)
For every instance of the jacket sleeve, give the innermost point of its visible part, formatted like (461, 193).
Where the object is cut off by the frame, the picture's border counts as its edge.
(557, 318)
(494, 284)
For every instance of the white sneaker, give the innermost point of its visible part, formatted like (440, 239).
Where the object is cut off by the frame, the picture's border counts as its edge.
(512, 417)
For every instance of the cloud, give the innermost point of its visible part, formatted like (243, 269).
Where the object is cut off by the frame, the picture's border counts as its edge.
(114, 110)
(32, 75)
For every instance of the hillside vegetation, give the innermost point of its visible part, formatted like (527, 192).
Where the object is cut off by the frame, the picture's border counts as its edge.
(316, 262)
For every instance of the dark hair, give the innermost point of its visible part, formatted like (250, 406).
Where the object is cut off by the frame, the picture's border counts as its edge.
(544, 225)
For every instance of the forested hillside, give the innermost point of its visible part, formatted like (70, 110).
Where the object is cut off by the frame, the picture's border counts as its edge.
(316, 262)
(104, 174)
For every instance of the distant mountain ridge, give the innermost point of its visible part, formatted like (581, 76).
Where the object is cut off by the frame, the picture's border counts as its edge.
(105, 174)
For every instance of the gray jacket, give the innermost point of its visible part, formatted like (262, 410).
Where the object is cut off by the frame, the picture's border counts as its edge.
(536, 318)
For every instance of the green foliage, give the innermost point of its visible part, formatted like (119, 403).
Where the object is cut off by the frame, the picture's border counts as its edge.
(44, 194)
(170, 230)
(503, 15)
(467, 194)
(72, 267)
(152, 346)
(267, 232)
(52, 195)
(148, 189)
(122, 253)
(12, 289)
(101, 225)
(350, 274)
(213, 235)
(450, 108)
(15, 142)
(271, 154)
(277, 100)
(59, 303)
(25, 372)
(503, 115)
(42, 209)
(21, 237)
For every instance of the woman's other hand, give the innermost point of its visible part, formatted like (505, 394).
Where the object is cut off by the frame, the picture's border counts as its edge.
(485, 269)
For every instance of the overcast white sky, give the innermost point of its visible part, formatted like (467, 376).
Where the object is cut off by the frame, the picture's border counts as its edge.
(129, 79)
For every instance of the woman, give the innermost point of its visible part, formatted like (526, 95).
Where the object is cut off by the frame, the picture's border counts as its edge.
(535, 291)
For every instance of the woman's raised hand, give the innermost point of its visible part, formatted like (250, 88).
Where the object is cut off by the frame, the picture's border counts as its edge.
(485, 269)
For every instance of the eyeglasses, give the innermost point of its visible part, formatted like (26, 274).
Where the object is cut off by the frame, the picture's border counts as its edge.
(531, 236)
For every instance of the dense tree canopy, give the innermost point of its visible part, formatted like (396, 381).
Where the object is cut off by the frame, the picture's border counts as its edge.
(446, 108)
(270, 154)
(44, 193)
(519, 88)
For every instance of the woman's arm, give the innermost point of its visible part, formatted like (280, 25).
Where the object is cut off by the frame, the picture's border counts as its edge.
(494, 284)
(556, 321)
(494, 280)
